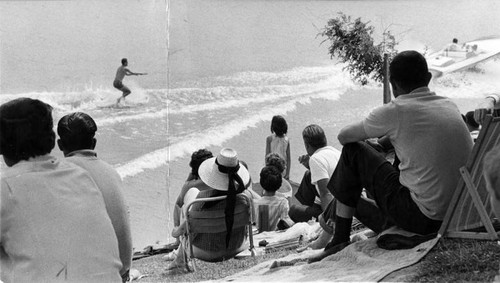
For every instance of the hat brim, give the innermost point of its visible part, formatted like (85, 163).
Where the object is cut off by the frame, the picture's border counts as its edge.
(209, 173)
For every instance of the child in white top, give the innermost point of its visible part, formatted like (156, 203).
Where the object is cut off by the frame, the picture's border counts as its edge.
(278, 142)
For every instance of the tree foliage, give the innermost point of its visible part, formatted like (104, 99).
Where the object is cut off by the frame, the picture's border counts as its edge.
(352, 43)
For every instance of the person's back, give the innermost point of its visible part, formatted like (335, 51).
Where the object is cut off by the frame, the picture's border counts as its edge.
(54, 224)
(214, 243)
(120, 73)
(279, 145)
(275, 206)
(432, 142)
(277, 209)
(77, 141)
(61, 232)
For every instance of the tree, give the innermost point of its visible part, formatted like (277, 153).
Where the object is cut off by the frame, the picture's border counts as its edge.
(352, 43)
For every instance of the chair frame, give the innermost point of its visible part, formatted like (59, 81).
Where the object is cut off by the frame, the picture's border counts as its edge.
(470, 182)
(186, 210)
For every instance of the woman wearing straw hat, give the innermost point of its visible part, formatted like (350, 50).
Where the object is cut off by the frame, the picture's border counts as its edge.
(226, 176)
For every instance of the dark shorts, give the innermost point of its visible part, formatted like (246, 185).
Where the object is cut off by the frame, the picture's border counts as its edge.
(360, 166)
(118, 84)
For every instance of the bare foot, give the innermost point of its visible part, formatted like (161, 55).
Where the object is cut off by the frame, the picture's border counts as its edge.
(320, 243)
(328, 251)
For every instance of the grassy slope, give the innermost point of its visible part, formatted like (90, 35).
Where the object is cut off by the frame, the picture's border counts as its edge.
(451, 260)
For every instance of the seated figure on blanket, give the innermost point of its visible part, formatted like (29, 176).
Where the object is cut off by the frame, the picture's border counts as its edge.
(320, 161)
(225, 176)
(77, 141)
(431, 142)
(54, 224)
(272, 205)
(274, 159)
(193, 180)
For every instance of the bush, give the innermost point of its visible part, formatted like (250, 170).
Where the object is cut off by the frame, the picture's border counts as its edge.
(352, 43)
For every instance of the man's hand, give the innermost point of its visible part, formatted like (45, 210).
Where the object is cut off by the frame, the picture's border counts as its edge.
(304, 160)
(485, 107)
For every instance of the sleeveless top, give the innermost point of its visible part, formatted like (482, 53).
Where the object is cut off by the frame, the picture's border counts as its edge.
(279, 145)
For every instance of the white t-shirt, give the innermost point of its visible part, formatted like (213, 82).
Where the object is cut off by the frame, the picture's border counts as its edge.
(322, 164)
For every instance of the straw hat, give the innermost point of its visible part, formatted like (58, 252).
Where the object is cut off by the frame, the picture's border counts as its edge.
(210, 174)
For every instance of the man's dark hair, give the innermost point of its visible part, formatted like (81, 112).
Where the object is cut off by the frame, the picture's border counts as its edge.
(455, 40)
(26, 129)
(409, 69)
(314, 136)
(279, 125)
(270, 178)
(77, 131)
(197, 158)
(124, 60)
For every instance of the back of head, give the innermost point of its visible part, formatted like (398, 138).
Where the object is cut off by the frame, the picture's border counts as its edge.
(274, 159)
(314, 136)
(197, 158)
(76, 131)
(279, 125)
(26, 129)
(455, 40)
(409, 69)
(124, 61)
(270, 178)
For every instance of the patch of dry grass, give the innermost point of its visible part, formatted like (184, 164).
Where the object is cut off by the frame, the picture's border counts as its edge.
(460, 260)
(154, 268)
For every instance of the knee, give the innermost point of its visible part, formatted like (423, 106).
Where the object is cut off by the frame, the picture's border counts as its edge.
(353, 147)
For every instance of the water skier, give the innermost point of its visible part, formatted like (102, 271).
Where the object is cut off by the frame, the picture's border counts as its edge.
(120, 74)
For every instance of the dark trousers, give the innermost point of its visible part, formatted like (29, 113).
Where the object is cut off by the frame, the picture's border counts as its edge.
(306, 209)
(360, 166)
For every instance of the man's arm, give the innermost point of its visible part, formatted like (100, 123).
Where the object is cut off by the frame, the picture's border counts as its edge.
(485, 107)
(130, 73)
(352, 133)
(324, 194)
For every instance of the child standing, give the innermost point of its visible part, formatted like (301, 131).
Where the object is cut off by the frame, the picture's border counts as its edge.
(278, 142)
(271, 208)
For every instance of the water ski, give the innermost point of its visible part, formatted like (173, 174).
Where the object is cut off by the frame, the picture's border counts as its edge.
(113, 106)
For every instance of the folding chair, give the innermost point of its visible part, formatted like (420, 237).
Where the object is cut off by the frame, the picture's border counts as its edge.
(470, 207)
(213, 221)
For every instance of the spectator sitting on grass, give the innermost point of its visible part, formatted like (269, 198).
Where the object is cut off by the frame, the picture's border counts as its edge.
(54, 223)
(274, 159)
(270, 180)
(226, 176)
(77, 142)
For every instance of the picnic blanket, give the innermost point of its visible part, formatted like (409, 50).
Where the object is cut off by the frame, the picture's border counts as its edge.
(360, 261)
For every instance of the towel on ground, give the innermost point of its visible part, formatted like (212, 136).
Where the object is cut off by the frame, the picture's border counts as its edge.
(360, 261)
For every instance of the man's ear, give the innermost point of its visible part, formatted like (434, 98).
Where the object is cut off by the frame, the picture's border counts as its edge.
(94, 142)
(428, 78)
